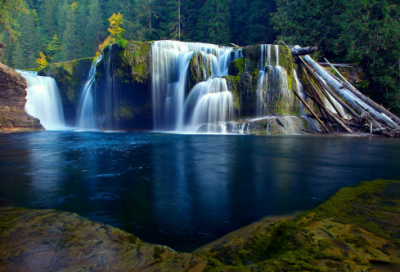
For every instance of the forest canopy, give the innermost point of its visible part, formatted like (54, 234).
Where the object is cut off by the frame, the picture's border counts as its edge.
(363, 32)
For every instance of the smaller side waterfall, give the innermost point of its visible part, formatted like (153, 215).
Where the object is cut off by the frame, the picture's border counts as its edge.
(87, 118)
(272, 86)
(44, 100)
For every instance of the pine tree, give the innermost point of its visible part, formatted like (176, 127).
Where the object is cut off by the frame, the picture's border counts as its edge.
(17, 56)
(214, 25)
(95, 31)
(70, 43)
(29, 41)
(259, 28)
(175, 19)
(62, 17)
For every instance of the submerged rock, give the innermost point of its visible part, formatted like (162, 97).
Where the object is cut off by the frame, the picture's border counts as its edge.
(12, 103)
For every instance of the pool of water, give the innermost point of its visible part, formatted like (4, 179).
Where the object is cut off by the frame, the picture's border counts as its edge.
(184, 190)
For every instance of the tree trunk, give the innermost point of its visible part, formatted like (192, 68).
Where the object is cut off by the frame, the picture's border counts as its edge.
(298, 51)
(348, 95)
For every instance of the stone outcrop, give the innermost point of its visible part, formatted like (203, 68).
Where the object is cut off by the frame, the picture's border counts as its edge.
(199, 68)
(12, 103)
(130, 71)
(356, 230)
(50, 240)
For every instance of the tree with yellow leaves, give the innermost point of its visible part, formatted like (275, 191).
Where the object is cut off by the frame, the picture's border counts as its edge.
(115, 29)
(42, 61)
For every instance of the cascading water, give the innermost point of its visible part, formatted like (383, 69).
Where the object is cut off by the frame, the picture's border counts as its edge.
(272, 85)
(212, 106)
(170, 63)
(44, 100)
(111, 94)
(87, 118)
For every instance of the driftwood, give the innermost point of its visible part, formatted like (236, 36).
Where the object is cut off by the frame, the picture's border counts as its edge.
(349, 96)
(336, 64)
(340, 101)
(312, 112)
(298, 51)
(366, 99)
(321, 105)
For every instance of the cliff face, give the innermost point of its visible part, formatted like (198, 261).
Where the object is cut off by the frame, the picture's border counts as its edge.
(12, 103)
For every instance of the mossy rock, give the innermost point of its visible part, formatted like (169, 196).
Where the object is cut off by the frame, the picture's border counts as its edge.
(199, 68)
(326, 239)
(236, 67)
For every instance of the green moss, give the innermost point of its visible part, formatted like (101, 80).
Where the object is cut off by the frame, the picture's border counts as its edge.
(286, 61)
(122, 43)
(135, 61)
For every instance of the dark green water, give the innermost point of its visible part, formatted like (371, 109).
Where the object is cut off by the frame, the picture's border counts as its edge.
(184, 190)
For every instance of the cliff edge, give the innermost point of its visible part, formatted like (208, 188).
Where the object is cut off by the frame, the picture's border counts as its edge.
(12, 103)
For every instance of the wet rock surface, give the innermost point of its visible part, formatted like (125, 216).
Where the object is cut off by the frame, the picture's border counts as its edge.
(12, 103)
(356, 230)
(50, 240)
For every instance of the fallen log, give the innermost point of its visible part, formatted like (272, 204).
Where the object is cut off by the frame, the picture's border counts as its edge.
(340, 101)
(301, 51)
(348, 95)
(364, 98)
(312, 112)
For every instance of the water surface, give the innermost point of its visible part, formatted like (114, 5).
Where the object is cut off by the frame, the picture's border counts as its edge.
(184, 190)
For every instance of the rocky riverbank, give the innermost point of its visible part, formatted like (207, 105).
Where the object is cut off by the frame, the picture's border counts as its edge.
(358, 229)
(12, 103)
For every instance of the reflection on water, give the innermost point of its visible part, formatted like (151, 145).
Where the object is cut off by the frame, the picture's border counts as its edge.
(184, 190)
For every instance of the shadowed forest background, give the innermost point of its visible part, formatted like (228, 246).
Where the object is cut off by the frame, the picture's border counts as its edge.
(365, 33)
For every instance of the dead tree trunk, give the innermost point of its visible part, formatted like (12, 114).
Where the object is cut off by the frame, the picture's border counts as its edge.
(353, 100)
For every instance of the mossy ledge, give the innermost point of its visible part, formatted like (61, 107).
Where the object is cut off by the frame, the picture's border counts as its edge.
(355, 230)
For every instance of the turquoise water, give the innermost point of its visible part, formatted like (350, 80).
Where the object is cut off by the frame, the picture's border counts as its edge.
(184, 190)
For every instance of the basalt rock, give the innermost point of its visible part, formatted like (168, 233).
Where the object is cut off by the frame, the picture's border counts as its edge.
(12, 103)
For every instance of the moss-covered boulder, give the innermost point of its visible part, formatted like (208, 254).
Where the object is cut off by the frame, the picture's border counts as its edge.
(71, 77)
(199, 68)
(356, 230)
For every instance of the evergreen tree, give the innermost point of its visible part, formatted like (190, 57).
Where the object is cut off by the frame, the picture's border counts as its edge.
(260, 31)
(95, 31)
(17, 57)
(71, 45)
(214, 24)
(62, 17)
(175, 19)
(29, 41)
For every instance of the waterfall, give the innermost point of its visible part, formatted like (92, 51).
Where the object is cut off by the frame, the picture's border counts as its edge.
(209, 106)
(87, 118)
(111, 93)
(44, 100)
(170, 63)
(301, 91)
(272, 84)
